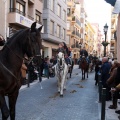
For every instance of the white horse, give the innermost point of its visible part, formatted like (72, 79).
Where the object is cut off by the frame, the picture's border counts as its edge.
(61, 71)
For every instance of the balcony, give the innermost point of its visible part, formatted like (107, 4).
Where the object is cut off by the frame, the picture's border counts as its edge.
(69, 16)
(73, 7)
(16, 18)
(17, 11)
(113, 17)
(30, 17)
(31, 1)
(112, 48)
(70, 3)
(78, 22)
(73, 19)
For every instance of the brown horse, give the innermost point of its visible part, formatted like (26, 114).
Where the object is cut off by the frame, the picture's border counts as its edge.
(84, 67)
(24, 42)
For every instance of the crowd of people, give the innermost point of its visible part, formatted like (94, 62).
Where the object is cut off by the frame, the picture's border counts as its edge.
(110, 77)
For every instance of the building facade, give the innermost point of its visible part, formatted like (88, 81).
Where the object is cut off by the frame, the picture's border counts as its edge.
(113, 42)
(73, 27)
(54, 22)
(89, 37)
(22, 13)
(19, 14)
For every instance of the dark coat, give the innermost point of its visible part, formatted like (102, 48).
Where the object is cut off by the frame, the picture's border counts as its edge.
(105, 72)
(84, 52)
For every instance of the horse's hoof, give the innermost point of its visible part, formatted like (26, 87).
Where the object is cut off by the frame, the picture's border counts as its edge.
(64, 89)
(61, 96)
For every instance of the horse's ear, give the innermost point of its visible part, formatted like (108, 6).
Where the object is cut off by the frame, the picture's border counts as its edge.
(33, 27)
(40, 28)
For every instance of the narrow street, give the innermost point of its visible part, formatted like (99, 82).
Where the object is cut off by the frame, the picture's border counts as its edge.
(79, 101)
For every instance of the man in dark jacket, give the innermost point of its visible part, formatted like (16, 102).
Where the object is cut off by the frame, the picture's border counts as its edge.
(105, 69)
(84, 52)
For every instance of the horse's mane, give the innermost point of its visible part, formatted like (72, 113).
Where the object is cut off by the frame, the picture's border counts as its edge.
(17, 34)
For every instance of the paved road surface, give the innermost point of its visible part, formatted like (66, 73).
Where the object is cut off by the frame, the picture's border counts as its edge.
(79, 101)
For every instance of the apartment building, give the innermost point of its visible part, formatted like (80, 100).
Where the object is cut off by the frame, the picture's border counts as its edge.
(98, 39)
(113, 42)
(73, 26)
(54, 21)
(19, 14)
(89, 37)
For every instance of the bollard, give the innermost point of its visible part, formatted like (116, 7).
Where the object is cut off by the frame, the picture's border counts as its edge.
(100, 90)
(39, 74)
(103, 105)
(28, 81)
(99, 79)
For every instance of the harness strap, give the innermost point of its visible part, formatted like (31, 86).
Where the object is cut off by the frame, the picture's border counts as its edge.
(10, 72)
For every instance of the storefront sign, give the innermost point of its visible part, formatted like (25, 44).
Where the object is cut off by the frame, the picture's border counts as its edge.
(24, 21)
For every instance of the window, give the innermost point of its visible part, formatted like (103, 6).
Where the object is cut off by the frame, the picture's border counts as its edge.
(20, 8)
(38, 17)
(68, 11)
(64, 15)
(52, 5)
(58, 31)
(45, 25)
(45, 3)
(63, 33)
(59, 10)
(51, 27)
(68, 25)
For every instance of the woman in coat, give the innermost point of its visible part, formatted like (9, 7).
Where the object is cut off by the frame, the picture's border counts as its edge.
(23, 71)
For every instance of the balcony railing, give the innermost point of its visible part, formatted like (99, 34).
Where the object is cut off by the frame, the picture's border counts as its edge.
(30, 17)
(73, 46)
(68, 14)
(17, 11)
(77, 45)
(39, 22)
(78, 22)
(73, 18)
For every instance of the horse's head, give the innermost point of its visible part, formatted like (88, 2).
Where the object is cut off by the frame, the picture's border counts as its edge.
(83, 58)
(33, 43)
(60, 59)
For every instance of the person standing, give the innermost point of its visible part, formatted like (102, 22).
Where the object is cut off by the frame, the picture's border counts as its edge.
(105, 69)
(23, 71)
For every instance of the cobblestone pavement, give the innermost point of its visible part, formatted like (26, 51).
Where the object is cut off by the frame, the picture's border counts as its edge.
(79, 101)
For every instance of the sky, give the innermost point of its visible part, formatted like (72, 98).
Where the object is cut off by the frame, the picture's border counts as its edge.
(98, 11)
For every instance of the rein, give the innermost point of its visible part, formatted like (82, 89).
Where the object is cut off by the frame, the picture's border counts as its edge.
(13, 52)
(28, 60)
(9, 71)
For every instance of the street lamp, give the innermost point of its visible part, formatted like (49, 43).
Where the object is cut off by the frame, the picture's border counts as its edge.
(105, 43)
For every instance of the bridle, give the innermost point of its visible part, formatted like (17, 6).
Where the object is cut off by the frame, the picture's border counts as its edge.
(22, 59)
(60, 67)
(27, 60)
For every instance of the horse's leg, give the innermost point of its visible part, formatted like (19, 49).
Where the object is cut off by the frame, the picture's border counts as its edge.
(4, 108)
(58, 85)
(65, 82)
(82, 74)
(62, 86)
(70, 72)
(12, 104)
